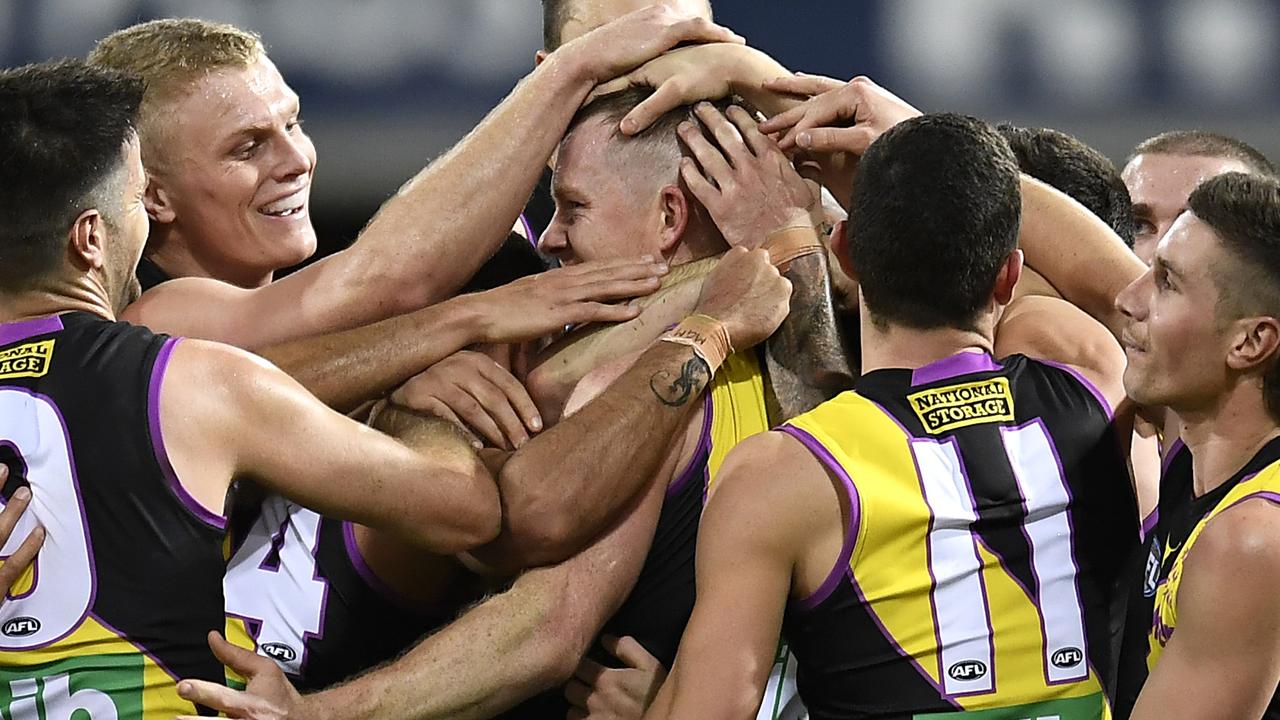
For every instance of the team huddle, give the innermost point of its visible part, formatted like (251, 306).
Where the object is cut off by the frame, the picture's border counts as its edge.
(799, 403)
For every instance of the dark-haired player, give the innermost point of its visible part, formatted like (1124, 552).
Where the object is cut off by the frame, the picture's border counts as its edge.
(129, 440)
(946, 538)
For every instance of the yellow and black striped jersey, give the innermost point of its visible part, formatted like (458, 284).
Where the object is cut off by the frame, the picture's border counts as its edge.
(990, 508)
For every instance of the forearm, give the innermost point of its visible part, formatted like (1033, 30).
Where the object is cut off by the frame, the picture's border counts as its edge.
(564, 364)
(808, 357)
(565, 485)
(345, 369)
(1076, 252)
(444, 223)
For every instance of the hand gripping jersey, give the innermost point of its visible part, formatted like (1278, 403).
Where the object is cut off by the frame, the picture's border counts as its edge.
(990, 511)
(300, 586)
(118, 603)
(659, 606)
(1182, 517)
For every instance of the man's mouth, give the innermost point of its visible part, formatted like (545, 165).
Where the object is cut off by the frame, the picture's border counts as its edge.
(287, 206)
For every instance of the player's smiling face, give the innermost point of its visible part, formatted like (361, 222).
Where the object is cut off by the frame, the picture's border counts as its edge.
(599, 214)
(236, 172)
(1174, 340)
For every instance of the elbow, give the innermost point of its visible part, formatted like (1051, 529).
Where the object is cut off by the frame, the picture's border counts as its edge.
(539, 522)
(471, 523)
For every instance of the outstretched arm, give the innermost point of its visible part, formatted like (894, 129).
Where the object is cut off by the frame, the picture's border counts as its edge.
(433, 235)
(257, 422)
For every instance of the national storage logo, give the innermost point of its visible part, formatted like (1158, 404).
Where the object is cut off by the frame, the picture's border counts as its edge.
(957, 406)
(26, 361)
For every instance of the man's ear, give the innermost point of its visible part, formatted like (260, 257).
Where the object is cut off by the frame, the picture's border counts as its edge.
(86, 241)
(676, 211)
(1007, 278)
(840, 248)
(539, 56)
(157, 203)
(1256, 345)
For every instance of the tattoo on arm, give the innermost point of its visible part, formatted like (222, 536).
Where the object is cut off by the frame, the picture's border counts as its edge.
(675, 391)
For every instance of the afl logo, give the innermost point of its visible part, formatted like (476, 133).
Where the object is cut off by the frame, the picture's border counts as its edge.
(279, 652)
(21, 627)
(1067, 657)
(967, 670)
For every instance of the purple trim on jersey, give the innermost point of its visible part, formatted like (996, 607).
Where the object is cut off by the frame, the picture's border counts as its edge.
(696, 468)
(1174, 448)
(204, 514)
(1097, 394)
(307, 637)
(962, 363)
(841, 568)
(528, 231)
(141, 649)
(35, 564)
(871, 612)
(84, 516)
(23, 329)
(367, 574)
(1149, 525)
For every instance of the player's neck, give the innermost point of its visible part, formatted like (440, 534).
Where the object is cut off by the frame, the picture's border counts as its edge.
(1225, 436)
(48, 302)
(900, 347)
(175, 256)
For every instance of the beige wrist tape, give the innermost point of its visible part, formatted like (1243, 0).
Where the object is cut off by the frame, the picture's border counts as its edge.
(790, 243)
(706, 335)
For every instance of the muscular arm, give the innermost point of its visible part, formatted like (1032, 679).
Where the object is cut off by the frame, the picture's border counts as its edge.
(564, 485)
(748, 545)
(513, 645)
(225, 414)
(1078, 253)
(1223, 660)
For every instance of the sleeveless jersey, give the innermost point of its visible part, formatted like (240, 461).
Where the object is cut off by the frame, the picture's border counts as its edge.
(306, 596)
(659, 606)
(116, 607)
(989, 508)
(1181, 520)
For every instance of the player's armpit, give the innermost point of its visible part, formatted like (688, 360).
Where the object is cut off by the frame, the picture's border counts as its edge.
(226, 413)
(748, 545)
(1223, 660)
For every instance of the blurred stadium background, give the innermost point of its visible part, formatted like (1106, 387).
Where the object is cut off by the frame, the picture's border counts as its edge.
(389, 84)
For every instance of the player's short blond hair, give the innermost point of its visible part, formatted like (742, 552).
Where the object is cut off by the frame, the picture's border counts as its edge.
(169, 55)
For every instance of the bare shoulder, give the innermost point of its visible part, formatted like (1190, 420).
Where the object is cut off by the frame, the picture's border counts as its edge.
(187, 306)
(772, 475)
(1240, 548)
(1049, 328)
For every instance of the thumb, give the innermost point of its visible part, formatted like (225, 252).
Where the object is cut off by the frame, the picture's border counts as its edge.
(243, 661)
(629, 651)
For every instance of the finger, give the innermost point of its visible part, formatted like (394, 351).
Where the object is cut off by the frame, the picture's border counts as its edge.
(699, 30)
(615, 85)
(749, 129)
(698, 184)
(854, 140)
(589, 671)
(827, 111)
(245, 662)
(577, 693)
(669, 96)
(785, 120)
(594, 312)
(626, 267)
(605, 290)
(630, 651)
(714, 165)
(13, 511)
(725, 134)
(517, 395)
(16, 564)
(474, 415)
(802, 84)
(218, 697)
(636, 271)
